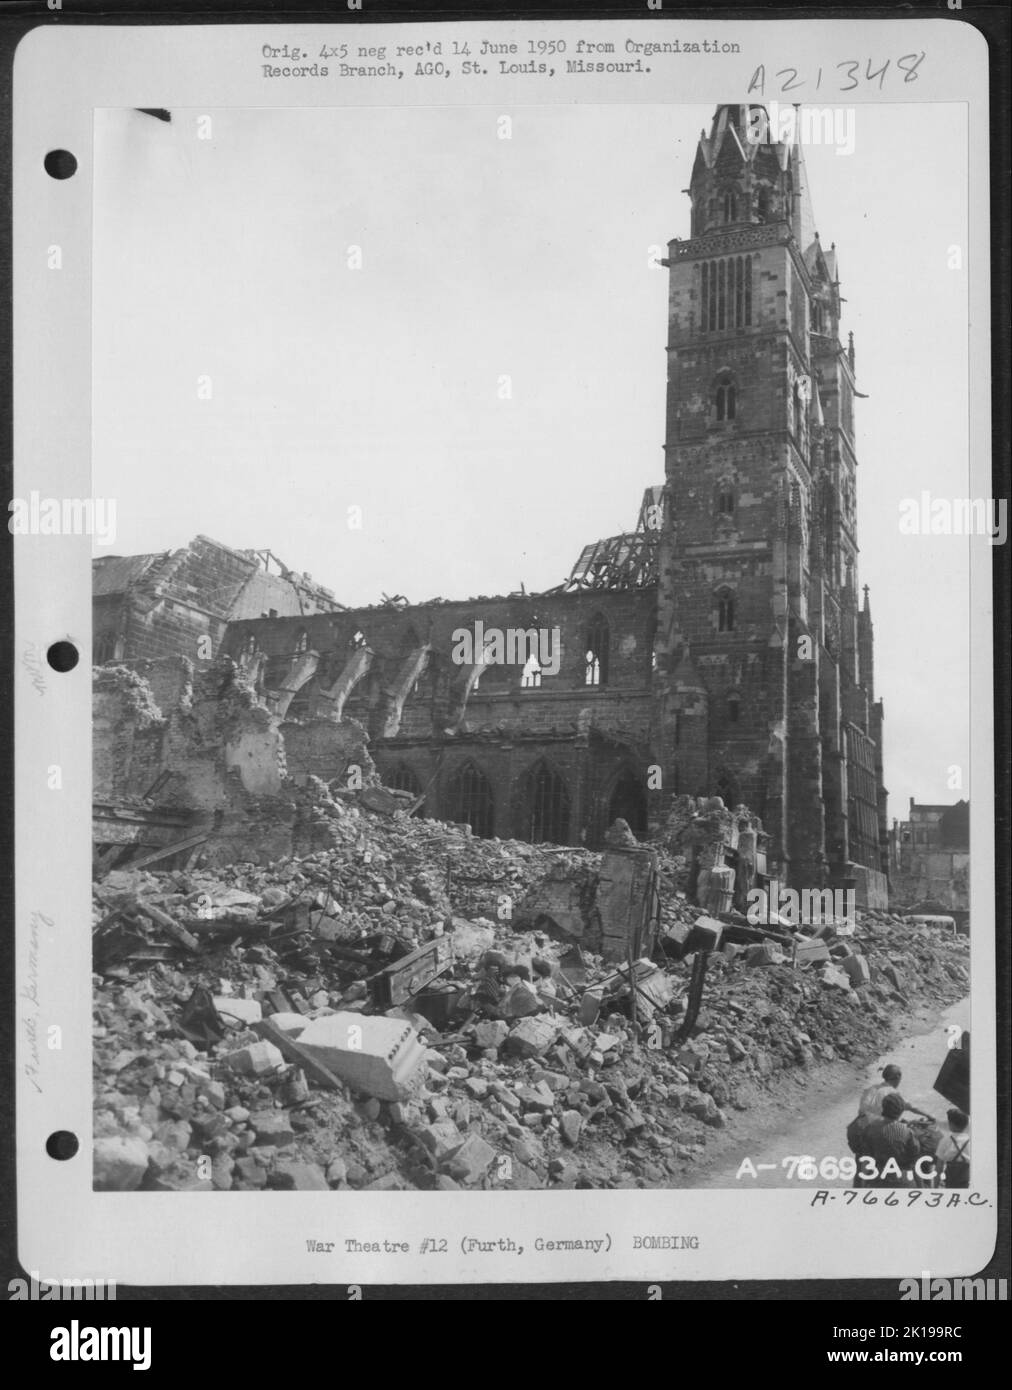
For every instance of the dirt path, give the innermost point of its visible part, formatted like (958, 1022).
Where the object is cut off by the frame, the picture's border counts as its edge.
(811, 1111)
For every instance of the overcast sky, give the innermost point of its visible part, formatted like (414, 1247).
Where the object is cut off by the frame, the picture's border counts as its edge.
(482, 258)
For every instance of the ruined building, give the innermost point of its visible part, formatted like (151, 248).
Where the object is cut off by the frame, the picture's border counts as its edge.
(163, 604)
(718, 647)
(930, 855)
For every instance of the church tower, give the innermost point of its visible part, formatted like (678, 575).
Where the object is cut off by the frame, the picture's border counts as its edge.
(763, 664)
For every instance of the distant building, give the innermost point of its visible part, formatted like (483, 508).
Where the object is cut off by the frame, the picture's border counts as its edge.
(162, 604)
(930, 854)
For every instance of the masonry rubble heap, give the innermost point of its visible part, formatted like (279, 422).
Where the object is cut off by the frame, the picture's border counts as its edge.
(411, 1007)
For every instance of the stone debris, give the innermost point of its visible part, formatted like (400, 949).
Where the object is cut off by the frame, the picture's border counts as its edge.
(264, 1060)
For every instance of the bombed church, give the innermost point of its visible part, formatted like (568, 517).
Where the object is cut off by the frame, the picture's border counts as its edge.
(721, 647)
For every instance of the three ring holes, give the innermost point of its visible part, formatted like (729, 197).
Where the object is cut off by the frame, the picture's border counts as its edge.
(60, 164)
(62, 656)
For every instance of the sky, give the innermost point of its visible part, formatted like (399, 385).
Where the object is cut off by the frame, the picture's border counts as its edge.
(463, 336)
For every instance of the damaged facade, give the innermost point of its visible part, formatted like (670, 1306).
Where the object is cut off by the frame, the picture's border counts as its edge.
(719, 648)
(931, 855)
(146, 606)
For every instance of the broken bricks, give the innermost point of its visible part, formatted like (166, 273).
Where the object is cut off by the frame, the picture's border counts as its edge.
(255, 1059)
(531, 1037)
(857, 970)
(544, 1088)
(378, 1056)
(471, 1160)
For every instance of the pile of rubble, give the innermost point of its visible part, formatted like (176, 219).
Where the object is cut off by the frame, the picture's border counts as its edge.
(398, 1010)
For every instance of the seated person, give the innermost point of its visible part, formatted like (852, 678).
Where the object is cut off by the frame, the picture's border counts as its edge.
(891, 1145)
(873, 1096)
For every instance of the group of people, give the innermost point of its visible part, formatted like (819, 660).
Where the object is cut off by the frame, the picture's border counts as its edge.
(890, 1153)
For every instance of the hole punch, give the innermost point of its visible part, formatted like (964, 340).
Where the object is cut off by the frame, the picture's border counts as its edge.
(62, 1144)
(62, 656)
(60, 164)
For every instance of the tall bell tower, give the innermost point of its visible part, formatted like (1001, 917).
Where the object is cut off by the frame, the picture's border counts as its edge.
(763, 659)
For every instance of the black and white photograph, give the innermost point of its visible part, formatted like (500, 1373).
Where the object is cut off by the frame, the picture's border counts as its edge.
(537, 692)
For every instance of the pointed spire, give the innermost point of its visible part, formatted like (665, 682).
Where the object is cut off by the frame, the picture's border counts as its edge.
(805, 228)
(867, 602)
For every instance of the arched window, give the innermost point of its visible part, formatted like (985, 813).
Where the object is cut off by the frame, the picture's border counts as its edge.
(733, 707)
(730, 207)
(629, 802)
(726, 294)
(763, 204)
(725, 397)
(301, 642)
(725, 501)
(725, 611)
(104, 648)
(816, 316)
(531, 677)
(595, 670)
(471, 801)
(547, 807)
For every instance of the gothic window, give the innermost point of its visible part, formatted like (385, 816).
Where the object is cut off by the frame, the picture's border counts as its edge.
(596, 656)
(724, 398)
(726, 293)
(548, 807)
(763, 204)
(730, 207)
(471, 800)
(816, 316)
(733, 707)
(725, 611)
(301, 642)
